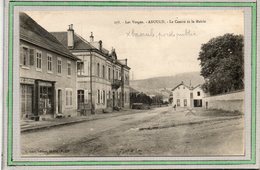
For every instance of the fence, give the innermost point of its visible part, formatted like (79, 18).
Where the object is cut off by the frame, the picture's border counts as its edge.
(230, 102)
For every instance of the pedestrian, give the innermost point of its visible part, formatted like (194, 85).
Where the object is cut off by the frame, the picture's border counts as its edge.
(174, 107)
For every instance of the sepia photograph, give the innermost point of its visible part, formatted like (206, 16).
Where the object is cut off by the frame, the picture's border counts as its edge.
(113, 83)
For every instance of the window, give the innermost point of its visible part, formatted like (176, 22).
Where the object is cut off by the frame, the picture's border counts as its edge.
(98, 96)
(116, 74)
(101, 96)
(69, 68)
(38, 60)
(198, 93)
(185, 102)
(31, 53)
(109, 72)
(113, 74)
(68, 97)
(98, 70)
(178, 102)
(49, 63)
(103, 71)
(80, 68)
(59, 63)
(104, 97)
(25, 56)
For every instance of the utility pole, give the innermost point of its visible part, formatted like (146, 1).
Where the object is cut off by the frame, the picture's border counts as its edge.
(91, 90)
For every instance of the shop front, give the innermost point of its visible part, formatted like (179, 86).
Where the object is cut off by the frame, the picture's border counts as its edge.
(45, 99)
(26, 98)
(37, 99)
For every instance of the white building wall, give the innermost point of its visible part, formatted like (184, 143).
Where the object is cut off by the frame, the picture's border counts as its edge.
(195, 93)
(181, 93)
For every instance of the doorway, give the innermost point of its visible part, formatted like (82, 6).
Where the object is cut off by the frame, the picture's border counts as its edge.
(26, 100)
(80, 99)
(198, 103)
(59, 101)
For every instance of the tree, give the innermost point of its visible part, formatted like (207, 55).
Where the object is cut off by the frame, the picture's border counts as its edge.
(222, 64)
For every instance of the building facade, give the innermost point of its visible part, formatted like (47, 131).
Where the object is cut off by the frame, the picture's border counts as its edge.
(187, 96)
(102, 79)
(47, 73)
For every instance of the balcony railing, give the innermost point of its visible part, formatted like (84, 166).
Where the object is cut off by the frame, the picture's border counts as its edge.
(116, 84)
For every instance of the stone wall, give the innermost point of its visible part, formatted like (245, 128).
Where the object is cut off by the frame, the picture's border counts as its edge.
(230, 101)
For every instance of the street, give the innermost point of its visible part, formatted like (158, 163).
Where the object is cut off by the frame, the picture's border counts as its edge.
(156, 132)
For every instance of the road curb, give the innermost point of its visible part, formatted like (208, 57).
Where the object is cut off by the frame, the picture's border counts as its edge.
(187, 123)
(44, 127)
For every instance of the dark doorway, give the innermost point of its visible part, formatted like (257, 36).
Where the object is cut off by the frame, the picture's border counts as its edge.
(80, 99)
(59, 101)
(198, 103)
(46, 100)
(113, 99)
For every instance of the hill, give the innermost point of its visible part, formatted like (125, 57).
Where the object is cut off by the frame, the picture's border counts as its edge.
(156, 84)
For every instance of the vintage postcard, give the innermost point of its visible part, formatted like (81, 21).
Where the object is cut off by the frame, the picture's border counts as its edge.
(126, 85)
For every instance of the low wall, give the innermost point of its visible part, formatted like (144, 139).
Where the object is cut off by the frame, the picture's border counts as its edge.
(230, 102)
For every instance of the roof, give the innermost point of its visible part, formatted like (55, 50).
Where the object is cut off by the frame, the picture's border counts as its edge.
(191, 88)
(199, 85)
(32, 32)
(80, 44)
(180, 85)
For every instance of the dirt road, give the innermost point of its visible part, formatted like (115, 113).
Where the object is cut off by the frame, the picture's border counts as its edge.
(157, 132)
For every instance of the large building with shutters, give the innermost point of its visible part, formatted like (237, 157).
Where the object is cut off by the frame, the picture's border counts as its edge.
(102, 79)
(47, 73)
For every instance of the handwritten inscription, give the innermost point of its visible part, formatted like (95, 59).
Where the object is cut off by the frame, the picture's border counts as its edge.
(157, 34)
(153, 31)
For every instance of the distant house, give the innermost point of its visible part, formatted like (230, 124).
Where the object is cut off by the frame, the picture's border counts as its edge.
(198, 95)
(187, 96)
(47, 73)
(102, 79)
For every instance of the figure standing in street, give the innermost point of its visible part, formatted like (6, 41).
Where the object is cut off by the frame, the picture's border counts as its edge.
(174, 107)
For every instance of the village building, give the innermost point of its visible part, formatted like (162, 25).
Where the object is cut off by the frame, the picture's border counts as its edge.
(187, 96)
(102, 79)
(47, 73)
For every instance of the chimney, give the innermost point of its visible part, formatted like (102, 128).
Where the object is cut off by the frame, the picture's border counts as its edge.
(70, 34)
(100, 45)
(91, 37)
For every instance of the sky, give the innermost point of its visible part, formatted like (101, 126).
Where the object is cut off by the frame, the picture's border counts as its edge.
(156, 42)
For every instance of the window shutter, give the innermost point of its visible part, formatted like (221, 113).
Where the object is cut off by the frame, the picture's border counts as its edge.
(32, 56)
(21, 55)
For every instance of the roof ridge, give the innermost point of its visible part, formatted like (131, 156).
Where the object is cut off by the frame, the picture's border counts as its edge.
(85, 41)
(29, 28)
